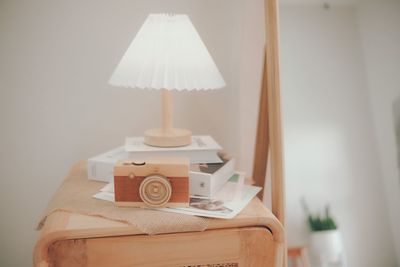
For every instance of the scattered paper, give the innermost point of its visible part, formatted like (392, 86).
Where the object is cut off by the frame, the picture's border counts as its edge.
(227, 203)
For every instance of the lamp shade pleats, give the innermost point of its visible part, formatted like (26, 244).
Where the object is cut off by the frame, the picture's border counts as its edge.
(167, 53)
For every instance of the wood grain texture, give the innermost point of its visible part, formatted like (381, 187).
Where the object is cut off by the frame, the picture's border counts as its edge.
(66, 226)
(68, 253)
(271, 74)
(253, 246)
(167, 136)
(274, 113)
(262, 139)
(127, 190)
(166, 111)
(166, 166)
(269, 129)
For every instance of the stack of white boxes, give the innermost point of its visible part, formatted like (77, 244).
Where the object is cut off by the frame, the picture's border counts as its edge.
(209, 171)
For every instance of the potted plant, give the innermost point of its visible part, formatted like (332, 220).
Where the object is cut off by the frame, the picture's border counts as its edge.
(326, 241)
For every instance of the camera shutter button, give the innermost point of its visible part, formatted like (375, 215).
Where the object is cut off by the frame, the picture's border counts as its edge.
(131, 175)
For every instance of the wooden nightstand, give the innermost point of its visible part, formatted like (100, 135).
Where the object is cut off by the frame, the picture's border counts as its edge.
(253, 238)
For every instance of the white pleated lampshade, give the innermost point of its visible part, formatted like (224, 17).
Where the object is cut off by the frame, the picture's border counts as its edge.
(167, 53)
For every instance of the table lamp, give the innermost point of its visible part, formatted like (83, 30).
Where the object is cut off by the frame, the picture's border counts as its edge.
(166, 54)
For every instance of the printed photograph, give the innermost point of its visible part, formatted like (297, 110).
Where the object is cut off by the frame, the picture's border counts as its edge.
(209, 205)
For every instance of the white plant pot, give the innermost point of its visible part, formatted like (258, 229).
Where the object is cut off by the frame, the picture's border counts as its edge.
(327, 246)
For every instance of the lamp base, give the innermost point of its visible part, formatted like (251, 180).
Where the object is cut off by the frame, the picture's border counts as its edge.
(171, 138)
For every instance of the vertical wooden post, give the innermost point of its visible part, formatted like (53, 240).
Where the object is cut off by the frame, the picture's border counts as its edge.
(271, 74)
(262, 139)
(269, 131)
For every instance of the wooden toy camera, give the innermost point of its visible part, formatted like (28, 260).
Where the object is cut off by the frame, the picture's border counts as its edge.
(154, 183)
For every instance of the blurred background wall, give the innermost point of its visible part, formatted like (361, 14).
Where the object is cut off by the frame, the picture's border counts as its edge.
(57, 108)
(379, 24)
(332, 156)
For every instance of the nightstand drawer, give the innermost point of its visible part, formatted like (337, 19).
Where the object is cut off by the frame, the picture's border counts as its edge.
(249, 246)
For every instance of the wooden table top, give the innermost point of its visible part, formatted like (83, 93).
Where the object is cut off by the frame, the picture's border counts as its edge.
(65, 225)
(62, 225)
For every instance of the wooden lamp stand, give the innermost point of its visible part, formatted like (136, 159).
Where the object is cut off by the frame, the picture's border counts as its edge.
(167, 136)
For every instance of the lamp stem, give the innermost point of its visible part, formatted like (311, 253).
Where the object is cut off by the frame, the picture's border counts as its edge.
(167, 136)
(166, 115)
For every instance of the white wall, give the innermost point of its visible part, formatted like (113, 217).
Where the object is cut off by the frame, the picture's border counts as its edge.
(57, 108)
(379, 23)
(331, 153)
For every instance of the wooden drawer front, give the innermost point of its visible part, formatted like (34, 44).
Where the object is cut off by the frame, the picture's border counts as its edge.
(228, 247)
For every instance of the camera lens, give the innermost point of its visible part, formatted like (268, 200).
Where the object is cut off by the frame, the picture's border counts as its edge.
(155, 190)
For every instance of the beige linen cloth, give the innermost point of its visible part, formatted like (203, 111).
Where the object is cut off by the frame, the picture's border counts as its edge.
(75, 196)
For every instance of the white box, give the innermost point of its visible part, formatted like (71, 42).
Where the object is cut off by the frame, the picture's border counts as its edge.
(207, 181)
(101, 167)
